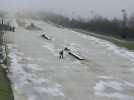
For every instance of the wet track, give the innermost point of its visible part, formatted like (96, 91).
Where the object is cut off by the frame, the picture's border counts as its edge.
(37, 73)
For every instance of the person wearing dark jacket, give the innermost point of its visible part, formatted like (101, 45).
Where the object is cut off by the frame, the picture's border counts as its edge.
(61, 53)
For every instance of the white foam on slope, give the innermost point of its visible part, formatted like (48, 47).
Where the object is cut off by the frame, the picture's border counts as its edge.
(51, 48)
(26, 80)
(101, 89)
(110, 46)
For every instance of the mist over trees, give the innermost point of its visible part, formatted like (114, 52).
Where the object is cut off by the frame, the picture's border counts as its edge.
(119, 28)
(131, 21)
(2, 16)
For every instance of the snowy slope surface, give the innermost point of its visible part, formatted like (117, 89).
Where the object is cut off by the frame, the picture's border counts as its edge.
(37, 73)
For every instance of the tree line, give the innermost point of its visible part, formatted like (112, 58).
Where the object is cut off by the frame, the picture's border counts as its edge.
(110, 27)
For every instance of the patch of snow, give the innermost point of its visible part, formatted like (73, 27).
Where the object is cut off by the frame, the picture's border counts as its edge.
(85, 36)
(54, 91)
(32, 97)
(115, 95)
(129, 84)
(106, 77)
(110, 46)
(132, 70)
(28, 58)
(47, 86)
(27, 82)
(113, 84)
(50, 47)
(102, 86)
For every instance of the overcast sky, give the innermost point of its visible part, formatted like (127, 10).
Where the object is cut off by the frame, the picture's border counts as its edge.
(108, 8)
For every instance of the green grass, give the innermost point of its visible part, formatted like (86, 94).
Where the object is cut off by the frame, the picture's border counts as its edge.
(5, 86)
(127, 45)
(116, 40)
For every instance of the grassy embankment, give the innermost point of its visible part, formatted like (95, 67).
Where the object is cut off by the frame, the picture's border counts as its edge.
(116, 40)
(5, 86)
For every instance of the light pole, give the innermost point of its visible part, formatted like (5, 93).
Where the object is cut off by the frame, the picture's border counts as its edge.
(92, 13)
(124, 22)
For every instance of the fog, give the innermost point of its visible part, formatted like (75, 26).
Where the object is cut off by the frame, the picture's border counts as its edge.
(107, 8)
